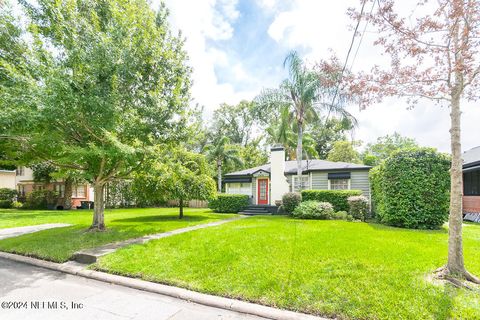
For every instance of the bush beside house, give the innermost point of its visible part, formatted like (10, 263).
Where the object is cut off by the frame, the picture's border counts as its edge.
(290, 201)
(7, 197)
(229, 203)
(338, 198)
(411, 189)
(358, 207)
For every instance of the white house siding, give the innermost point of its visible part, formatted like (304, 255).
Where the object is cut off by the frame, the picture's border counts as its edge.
(254, 190)
(359, 181)
(7, 179)
(320, 180)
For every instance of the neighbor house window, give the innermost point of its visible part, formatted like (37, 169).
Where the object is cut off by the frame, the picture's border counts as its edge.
(339, 181)
(339, 184)
(60, 189)
(20, 171)
(21, 190)
(240, 188)
(78, 192)
(299, 185)
(471, 183)
(38, 188)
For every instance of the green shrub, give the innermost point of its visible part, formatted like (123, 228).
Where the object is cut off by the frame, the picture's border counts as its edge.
(40, 199)
(411, 189)
(358, 207)
(314, 210)
(5, 204)
(290, 201)
(342, 215)
(338, 198)
(228, 203)
(17, 205)
(8, 194)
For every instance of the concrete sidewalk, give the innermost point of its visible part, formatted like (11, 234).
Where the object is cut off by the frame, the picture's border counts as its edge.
(89, 256)
(18, 231)
(62, 296)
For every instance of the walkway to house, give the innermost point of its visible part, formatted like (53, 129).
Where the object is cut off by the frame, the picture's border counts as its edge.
(89, 256)
(18, 231)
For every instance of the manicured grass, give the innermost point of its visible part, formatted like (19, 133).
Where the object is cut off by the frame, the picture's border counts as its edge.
(332, 268)
(60, 243)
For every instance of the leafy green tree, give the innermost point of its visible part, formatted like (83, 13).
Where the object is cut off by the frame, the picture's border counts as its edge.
(106, 81)
(385, 146)
(221, 152)
(344, 151)
(306, 94)
(326, 132)
(176, 174)
(237, 122)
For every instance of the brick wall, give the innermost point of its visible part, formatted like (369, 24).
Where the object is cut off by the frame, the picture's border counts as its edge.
(471, 204)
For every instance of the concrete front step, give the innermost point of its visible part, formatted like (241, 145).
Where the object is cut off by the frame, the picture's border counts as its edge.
(255, 213)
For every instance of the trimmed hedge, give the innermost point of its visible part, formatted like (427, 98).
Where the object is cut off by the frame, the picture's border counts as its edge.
(338, 198)
(290, 201)
(5, 204)
(411, 189)
(229, 203)
(8, 194)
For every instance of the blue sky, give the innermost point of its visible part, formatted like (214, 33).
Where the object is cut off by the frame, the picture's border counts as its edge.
(237, 47)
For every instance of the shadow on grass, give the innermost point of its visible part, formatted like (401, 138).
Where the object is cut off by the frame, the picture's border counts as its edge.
(378, 226)
(162, 218)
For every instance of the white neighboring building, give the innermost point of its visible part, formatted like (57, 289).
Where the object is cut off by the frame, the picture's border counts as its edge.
(8, 179)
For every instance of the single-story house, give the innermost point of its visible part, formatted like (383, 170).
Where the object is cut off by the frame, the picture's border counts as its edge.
(266, 184)
(471, 184)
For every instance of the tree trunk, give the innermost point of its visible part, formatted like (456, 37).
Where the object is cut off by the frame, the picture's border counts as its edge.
(219, 176)
(299, 154)
(180, 203)
(455, 263)
(67, 197)
(99, 207)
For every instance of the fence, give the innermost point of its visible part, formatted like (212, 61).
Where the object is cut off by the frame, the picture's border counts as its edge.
(191, 203)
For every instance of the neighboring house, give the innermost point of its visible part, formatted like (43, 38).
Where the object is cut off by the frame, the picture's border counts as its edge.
(22, 180)
(471, 184)
(265, 185)
(7, 179)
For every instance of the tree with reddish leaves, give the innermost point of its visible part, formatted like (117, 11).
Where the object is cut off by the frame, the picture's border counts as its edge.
(436, 57)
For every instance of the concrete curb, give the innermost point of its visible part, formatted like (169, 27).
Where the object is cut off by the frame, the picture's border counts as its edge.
(184, 294)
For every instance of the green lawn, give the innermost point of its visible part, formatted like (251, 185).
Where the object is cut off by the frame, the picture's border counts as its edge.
(60, 243)
(332, 268)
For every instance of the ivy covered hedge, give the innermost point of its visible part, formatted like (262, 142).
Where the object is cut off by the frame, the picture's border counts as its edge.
(338, 198)
(411, 189)
(229, 203)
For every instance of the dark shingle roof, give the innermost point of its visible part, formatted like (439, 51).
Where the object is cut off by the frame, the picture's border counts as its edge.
(307, 165)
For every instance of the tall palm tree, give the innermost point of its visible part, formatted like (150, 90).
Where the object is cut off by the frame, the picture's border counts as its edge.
(304, 94)
(222, 152)
(282, 132)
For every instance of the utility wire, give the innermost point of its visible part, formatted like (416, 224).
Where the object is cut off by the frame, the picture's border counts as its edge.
(348, 54)
(361, 38)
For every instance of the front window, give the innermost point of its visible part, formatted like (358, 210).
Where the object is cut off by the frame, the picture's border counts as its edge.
(471, 183)
(299, 185)
(21, 190)
(60, 189)
(339, 184)
(240, 188)
(78, 192)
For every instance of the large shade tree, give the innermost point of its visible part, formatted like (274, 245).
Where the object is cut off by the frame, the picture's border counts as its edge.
(435, 55)
(105, 81)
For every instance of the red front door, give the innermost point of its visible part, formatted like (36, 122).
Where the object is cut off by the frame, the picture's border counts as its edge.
(262, 193)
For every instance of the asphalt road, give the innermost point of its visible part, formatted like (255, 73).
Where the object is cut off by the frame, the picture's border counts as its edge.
(28, 292)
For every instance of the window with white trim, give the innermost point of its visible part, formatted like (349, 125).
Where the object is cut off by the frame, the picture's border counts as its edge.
(299, 186)
(60, 190)
(20, 171)
(78, 192)
(339, 184)
(240, 188)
